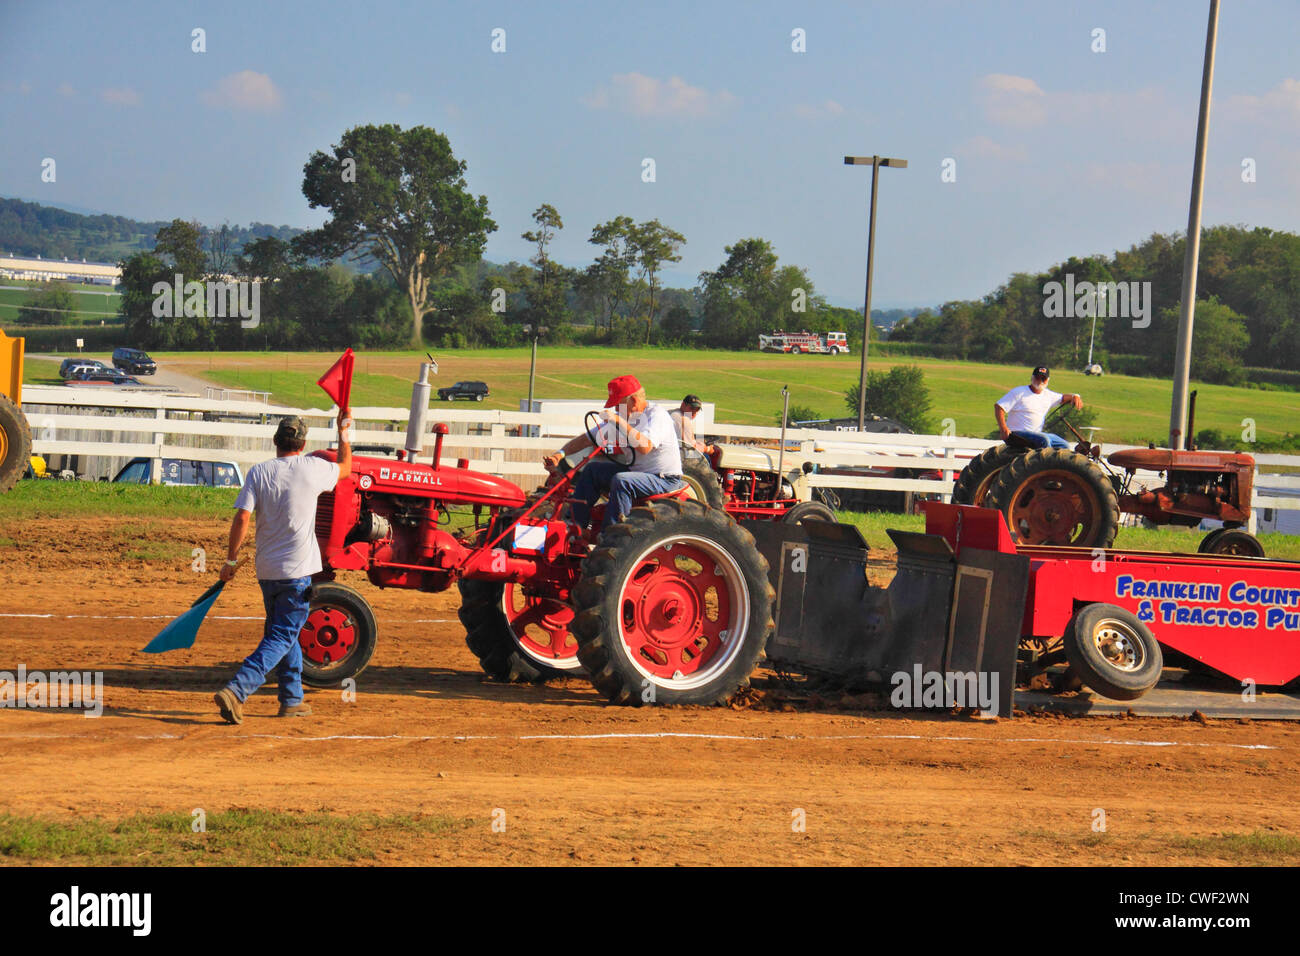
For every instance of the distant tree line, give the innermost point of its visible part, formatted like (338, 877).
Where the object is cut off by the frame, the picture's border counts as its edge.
(1247, 310)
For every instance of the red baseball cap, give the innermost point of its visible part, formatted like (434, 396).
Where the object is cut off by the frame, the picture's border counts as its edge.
(620, 388)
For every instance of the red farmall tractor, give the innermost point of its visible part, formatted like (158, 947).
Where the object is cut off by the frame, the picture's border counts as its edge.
(670, 606)
(1073, 497)
(747, 483)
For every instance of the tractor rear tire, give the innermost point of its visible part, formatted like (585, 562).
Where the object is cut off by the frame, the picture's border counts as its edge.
(972, 485)
(1231, 541)
(15, 443)
(1112, 651)
(494, 642)
(1055, 496)
(674, 607)
(704, 484)
(809, 510)
(341, 623)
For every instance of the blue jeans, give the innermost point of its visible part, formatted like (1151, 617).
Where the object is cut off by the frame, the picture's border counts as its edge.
(286, 605)
(623, 486)
(1042, 439)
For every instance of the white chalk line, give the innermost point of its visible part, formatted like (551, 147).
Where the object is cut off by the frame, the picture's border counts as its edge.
(688, 736)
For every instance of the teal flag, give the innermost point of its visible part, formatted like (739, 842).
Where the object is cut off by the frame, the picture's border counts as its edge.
(182, 631)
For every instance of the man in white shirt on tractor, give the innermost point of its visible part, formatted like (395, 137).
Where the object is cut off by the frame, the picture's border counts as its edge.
(1022, 411)
(630, 421)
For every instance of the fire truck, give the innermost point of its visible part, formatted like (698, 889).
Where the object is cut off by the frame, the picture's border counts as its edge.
(824, 343)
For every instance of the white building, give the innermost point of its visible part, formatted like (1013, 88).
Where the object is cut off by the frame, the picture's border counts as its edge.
(48, 270)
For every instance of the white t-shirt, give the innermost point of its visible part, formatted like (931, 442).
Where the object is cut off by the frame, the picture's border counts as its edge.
(684, 425)
(283, 492)
(664, 457)
(1026, 408)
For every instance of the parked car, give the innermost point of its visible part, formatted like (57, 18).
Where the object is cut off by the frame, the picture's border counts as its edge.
(71, 366)
(183, 471)
(105, 376)
(134, 361)
(477, 391)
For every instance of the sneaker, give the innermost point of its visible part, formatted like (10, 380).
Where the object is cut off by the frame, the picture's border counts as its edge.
(231, 709)
(297, 710)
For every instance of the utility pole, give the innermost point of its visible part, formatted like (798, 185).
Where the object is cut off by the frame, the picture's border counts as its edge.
(875, 162)
(1187, 314)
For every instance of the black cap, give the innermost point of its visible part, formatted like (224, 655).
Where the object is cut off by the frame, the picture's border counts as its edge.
(692, 401)
(292, 427)
(1041, 372)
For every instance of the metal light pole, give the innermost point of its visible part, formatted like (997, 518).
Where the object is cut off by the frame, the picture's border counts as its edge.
(875, 162)
(1187, 315)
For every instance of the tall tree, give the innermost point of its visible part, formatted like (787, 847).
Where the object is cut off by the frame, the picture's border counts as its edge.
(546, 295)
(606, 279)
(399, 196)
(654, 244)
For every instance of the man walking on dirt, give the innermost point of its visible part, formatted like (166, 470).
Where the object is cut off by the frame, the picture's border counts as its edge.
(645, 428)
(1022, 411)
(283, 492)
(684, 421)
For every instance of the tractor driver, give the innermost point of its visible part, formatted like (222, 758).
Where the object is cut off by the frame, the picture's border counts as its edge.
(1022, 410)
(684, 421)
(630, 421)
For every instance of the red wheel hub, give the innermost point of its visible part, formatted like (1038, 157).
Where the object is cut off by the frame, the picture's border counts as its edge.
(674, 610)
(1054, 508)
(540, 625)
(328, 636)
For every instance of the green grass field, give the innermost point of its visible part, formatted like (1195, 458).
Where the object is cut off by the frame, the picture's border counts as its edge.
(745, 386)
(89, 308)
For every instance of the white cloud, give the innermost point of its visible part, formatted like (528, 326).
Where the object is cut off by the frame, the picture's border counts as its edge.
(643, 95)
(1012, 100)
(819, 110)
(1283, 98)
(985, 147)
(120, 96)
(245, 90)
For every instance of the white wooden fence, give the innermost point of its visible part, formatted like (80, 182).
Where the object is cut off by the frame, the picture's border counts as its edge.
(107, 428)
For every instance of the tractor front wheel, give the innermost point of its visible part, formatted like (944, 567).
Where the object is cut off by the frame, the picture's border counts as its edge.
(517, 637)
(809, 510)
(1054, 496)
(674, 607)
(339, 636)
(1231, 541)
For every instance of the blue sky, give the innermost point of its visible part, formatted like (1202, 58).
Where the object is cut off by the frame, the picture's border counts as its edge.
(1059, 150)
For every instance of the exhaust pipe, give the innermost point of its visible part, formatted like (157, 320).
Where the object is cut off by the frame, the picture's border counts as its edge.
(419, 411)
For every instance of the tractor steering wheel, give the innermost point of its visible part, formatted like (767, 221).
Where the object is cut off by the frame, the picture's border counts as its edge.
(1060, 414)
(629, 451)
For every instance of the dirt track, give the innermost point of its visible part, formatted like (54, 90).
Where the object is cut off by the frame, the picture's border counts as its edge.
(580, 781)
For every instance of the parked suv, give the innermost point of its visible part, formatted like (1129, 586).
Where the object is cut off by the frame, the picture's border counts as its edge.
(183, 471)
(71, 366)
(472, 390)
(134, 361)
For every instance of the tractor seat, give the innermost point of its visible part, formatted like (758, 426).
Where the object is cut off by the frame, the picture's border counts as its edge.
(683, 493)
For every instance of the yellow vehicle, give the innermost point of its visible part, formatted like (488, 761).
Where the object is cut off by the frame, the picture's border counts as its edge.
(15, 433)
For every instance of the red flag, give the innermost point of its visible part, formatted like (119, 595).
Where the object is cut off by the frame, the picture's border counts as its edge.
(337, 382)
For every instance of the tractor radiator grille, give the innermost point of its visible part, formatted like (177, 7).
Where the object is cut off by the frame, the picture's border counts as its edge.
(324, 515)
